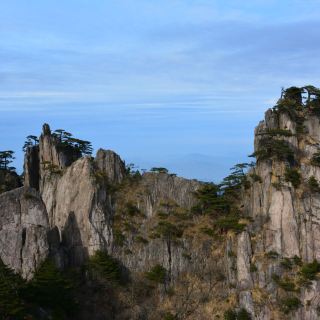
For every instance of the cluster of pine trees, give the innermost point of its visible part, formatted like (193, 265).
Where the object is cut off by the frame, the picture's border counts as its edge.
(48, 294)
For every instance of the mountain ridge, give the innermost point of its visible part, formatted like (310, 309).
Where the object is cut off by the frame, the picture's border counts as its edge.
(247, 248)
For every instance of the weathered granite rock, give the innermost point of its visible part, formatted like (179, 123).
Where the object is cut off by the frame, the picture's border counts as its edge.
(32, 168)
(111, 165)
(52, 153)
(243, 261)
(285, 218)
(23, 230)
(163, 186)
(80, 209)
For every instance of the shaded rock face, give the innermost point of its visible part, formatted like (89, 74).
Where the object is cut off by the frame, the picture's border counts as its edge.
(32, 168)
(77, 204)
(285, 221)
(79, 208)
(9, 180)
(164, 186)
(111, 164)
(23, 230)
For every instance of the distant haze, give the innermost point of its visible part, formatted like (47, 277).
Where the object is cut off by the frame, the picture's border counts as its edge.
(171, 83)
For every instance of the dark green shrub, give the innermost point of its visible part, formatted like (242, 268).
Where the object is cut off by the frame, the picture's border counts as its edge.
(293, 176)
(285, 284)
(230, 315)
(272, 254)
(186, 255)
(210, 200)
(132, 209)
(277, 132)
(297, 260)
(169, 316)
(286, 263)
(142, 240)
(208, 231)
(315, 160)
(253, 268)
(313, 184)
(255, 177)
(170, 291)
(101, 266)
(309, 271)
(162, 215)
(119, 238)
(290, 304)
(51, 289)
(222, 199)
(9, 180)
(279, 149)
(168, 230)
(159, 170)
(275, 277)
(277, 185)
(293, 94)
(229, 223)
(127, 226)
(157, 274)
(231, 254)
(243, 314)
(51, 168)
(11, 304)
(73, 147)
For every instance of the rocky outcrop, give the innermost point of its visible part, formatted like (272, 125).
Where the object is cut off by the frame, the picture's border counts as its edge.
(111, 165)
(285, 213)
(69, 218)
(23, 230)
(152, 194)
(51, 150)
(75, 204)
(161, 187)
(80, 208)
(31, 167)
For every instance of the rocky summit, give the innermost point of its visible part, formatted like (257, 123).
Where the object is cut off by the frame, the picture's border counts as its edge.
(85, 237)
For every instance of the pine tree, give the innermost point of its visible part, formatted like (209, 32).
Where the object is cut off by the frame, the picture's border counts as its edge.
(11, 304)
(30, 142)
(6, 158)
(50, 289)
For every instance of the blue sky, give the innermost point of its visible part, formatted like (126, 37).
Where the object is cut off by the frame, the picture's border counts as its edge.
(171, 83)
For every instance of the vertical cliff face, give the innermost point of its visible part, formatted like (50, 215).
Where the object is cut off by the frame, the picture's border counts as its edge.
(109, 163)
(283, 202)
(77, 204)
(145, 212)
(31, 168)
(23, 230)
(62, 210)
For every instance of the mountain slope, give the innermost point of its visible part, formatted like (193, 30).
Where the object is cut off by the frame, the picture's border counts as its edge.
(157, 246)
